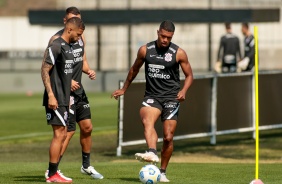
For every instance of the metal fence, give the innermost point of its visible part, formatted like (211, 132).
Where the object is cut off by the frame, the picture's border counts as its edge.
(216, 104)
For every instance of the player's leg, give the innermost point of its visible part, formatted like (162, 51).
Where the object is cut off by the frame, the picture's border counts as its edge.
(58, 119)
(85, 136)
(71, 127)
(59, 136)
(169, 118)
(83, 117)
(149, 114)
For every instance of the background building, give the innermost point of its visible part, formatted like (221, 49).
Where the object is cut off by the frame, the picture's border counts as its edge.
(23, 44)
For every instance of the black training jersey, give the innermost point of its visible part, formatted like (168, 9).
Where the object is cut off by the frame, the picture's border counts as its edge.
(229, 45)
(59, 54)
(249, 43)
(162, 71)
(78, 52)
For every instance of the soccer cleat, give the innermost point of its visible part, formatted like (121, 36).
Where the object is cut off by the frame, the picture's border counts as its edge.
(57, 178)
(147, 157)
(59, 173)
(92, 172)
(164, 178)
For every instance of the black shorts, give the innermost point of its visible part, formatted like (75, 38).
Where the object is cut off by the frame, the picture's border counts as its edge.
(169, 107)
(229, 68)
(60, 116)
(80, 110)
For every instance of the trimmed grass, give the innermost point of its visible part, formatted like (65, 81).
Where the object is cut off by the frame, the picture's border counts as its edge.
(25, 139)
(122, 173)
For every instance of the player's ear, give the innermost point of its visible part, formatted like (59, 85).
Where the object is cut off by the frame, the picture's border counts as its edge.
(65, 20)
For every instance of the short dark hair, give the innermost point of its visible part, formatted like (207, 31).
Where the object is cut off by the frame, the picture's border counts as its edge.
(73, 10)
(168, 26)
(245, 24)
(227, 25)
(77, 22)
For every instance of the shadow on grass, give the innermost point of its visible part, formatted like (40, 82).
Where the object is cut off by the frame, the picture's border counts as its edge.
(32, 179)
(131, 180)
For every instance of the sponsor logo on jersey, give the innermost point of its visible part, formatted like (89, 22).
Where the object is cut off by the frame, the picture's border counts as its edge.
(150, 101)
(48, 116)
(155, 71)
(68, 66)
(156, 66)
(78, 59)
(168, 57)
(77, 50)
(152, 55)
(69, 62)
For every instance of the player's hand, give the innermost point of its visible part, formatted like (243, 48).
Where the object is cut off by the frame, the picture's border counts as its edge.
(74, 85)
(117, 93)
(91, 74)
(52, 102)
(181, 96)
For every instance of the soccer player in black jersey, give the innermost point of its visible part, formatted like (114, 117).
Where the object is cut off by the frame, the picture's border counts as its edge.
(163, 94)
(248, 62)
(80, 108)
(56, 73)
(229, 51)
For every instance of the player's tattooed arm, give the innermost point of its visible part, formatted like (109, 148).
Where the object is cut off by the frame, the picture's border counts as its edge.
(45, 68)
(45, 76)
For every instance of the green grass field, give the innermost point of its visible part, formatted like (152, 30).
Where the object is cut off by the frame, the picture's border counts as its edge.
(25, 139)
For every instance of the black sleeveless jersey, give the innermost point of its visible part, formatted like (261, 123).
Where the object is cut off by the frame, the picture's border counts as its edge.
(161, 71)
(78, 52)
(59, 54)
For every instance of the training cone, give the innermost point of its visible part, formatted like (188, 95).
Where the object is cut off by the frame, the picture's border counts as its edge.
(258, 181)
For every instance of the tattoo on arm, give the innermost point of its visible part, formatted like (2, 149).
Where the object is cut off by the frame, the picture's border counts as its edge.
(45, 68)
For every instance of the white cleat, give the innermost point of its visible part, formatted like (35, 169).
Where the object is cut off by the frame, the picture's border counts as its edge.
(164, 178)
(147, 157)
(59, 173)
(92, 172)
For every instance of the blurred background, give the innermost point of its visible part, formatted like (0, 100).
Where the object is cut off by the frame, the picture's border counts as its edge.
(22, 45)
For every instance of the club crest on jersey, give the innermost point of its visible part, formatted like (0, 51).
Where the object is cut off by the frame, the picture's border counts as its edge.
(168, 57)
(80, 42)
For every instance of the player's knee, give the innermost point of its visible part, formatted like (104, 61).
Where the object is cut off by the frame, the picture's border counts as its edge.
(86, 129)
(60, 136)
(168, 138)
(70, 134)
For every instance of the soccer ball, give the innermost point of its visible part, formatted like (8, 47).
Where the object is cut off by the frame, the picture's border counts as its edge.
(149, 174)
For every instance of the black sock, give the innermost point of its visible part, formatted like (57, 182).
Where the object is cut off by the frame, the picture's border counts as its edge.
(85, 160)
(59, 161)
(152, 150)
(53, 167)
(162, 170)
